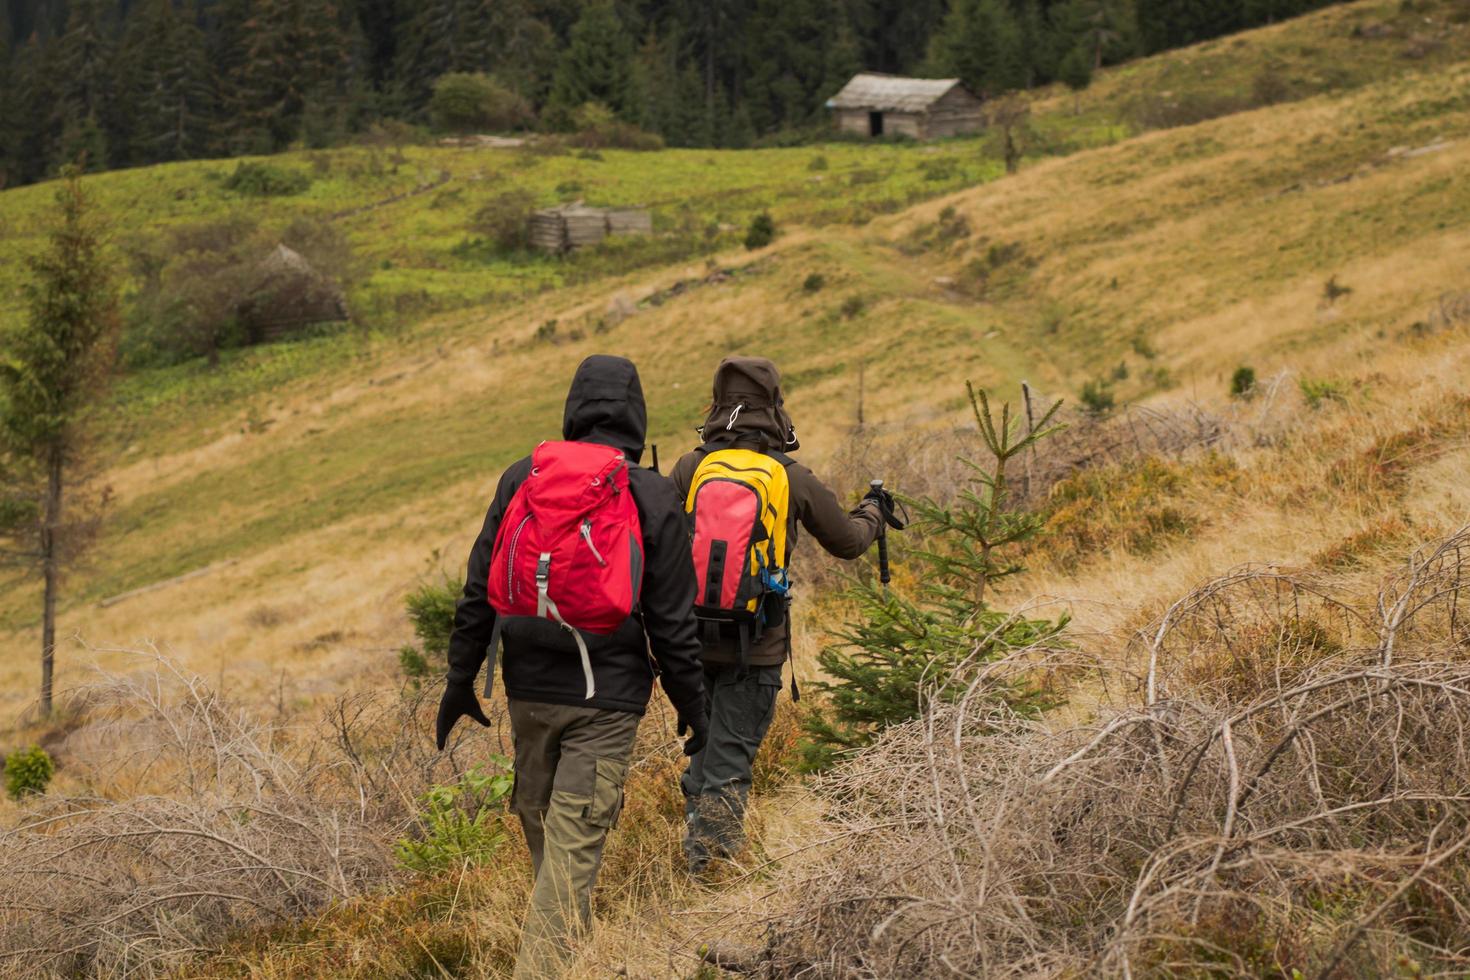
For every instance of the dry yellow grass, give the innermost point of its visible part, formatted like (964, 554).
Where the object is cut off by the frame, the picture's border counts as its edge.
(1181, 254)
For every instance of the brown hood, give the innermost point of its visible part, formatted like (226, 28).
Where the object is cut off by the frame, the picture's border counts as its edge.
(747, 403)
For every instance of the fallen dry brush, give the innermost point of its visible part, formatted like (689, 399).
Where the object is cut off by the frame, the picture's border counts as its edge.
(1284, 787)
(201, 822)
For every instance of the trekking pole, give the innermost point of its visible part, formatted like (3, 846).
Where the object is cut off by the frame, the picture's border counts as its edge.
(883, 574)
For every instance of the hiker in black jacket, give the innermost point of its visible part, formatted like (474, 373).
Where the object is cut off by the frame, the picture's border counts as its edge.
(571, 753)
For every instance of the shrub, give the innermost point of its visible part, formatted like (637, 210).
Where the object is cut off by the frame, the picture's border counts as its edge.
(1333, 290)
(1243, 382)
(1133, 507)
(190, 281)
(505, 219)
(1320, 391)
(430, 610)
(1097, 396)
(813, 283)
(462, 823)
(28, 772)
(466, 102)
(1271, 86)
(265, 180)
(413, 664)
(1166, 111)
(852, 307)
(945, 168)
(762, 231)
(905, 651)
(597, 128)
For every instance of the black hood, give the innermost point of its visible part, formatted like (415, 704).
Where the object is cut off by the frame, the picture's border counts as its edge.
(605, 405)
(747, 406)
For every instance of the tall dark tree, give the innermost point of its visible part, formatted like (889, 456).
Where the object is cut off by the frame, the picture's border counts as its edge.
(84, 86)
(896, 33)
(504, 38)
(597, 63)
(980, 43)
(35, 95)
(786, 56)
(164, 76)
(294, 56)
(1038, 46)
(10, 107)
(55, 368)
(1173, 23)
(668, 96)
(716, 29)
(1106, 29)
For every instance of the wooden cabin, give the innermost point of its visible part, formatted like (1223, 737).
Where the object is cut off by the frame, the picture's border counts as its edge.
(923, 108)
(575, 225)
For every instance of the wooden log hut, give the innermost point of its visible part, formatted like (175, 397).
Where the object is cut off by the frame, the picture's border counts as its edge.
(923, 108)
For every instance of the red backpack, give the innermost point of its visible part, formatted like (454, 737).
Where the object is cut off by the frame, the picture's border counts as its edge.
(570, 545)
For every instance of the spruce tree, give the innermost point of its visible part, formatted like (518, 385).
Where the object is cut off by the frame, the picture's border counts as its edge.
(440, 37)
(596, 66)
(84, 85)
(10, 109)
(935, 641)
(1075, 71)
(164, 73)
(504, 38)
(895, 34)
(667, 99)
(980, 43)
(294, 54)
(1037, 45)
(54, 369)
(35, 124)
(799, 52)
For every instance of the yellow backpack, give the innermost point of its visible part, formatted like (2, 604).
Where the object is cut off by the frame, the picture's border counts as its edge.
(739, 510)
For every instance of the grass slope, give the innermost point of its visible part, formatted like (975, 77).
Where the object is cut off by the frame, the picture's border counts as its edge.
(332, 472)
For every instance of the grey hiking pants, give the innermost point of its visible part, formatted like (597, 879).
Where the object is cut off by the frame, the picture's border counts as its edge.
(717, 783)
(569, 770)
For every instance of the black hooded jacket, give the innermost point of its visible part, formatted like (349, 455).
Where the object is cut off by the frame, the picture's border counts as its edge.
(540, 660)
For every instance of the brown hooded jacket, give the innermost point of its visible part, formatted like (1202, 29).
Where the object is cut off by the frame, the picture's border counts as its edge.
(747, 412)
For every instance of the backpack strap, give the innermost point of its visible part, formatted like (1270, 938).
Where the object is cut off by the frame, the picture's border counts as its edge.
(790, 660)
(492, 654)
(546, 608)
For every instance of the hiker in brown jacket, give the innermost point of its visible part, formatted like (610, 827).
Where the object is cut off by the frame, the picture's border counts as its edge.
(747, 412)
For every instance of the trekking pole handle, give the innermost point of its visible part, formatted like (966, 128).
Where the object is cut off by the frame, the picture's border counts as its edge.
(884, 575)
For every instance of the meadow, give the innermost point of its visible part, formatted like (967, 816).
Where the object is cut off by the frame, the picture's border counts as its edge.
(1177, 221)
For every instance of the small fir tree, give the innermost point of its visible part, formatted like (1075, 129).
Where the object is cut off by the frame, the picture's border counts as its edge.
(1075, 72)
(903, 650)
(52, 371)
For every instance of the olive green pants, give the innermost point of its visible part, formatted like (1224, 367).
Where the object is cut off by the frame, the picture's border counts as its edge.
(569, 770)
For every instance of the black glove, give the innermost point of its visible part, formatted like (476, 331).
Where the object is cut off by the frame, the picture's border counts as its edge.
(887, 506)
(698, 725)
(459, 700)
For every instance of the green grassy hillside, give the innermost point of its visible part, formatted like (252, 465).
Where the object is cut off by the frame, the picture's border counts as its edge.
(329, 470)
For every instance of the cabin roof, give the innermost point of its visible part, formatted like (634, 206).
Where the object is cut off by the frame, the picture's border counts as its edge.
(891, 93)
